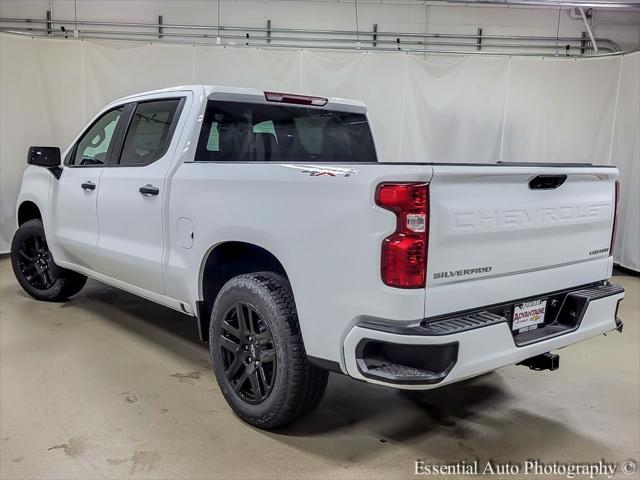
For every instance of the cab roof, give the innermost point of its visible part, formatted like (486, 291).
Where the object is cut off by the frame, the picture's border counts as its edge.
(254, 95)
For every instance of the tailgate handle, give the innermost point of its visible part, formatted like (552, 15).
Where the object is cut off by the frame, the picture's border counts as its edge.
(546, 182)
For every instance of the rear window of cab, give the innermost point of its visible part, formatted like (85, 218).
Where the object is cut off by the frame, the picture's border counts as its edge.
(247, 132)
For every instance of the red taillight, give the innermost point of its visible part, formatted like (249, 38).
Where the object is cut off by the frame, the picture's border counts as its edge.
(404, 252)
(615, 218)
(295, 99)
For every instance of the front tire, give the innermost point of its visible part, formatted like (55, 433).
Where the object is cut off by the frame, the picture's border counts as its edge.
(257, 352)
(34, 268)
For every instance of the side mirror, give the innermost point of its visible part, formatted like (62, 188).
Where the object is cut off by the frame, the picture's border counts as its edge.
(48, 157)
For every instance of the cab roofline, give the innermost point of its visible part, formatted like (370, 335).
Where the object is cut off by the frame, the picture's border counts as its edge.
(249, 95)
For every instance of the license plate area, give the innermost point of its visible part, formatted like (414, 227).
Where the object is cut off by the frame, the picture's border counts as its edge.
(528, 315)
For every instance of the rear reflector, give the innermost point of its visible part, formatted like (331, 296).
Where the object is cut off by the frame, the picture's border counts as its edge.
(295, 99)
(404, 252)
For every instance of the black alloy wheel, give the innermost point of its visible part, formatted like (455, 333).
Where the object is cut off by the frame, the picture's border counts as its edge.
(257, 352)
(248, 353)
(35, 269)
(36, 264)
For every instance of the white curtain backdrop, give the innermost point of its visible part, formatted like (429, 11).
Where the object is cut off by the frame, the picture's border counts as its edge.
(429, 109)
(625, 152)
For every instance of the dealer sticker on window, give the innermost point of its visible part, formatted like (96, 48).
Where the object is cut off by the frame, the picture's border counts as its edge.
(528, 315)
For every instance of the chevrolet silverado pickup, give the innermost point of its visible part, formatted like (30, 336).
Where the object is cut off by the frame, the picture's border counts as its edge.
(268, 218)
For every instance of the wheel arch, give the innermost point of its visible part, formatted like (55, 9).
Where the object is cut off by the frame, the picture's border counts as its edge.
(223, 262)
(28, 210)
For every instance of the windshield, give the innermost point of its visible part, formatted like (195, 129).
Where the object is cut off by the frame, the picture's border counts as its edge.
(247, 132)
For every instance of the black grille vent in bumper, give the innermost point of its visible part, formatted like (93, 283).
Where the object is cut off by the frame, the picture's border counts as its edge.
(405, 364)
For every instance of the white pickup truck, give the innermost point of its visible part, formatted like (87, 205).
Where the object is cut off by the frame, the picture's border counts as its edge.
(267, 217)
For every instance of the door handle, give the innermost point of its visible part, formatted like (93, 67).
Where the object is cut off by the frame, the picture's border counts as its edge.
(149, 189)
(546, 182)
(89, 185)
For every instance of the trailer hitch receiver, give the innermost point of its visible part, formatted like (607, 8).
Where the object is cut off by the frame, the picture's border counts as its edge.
(545, 361)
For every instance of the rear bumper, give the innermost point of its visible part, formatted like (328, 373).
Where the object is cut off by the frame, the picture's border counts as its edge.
(453, 349)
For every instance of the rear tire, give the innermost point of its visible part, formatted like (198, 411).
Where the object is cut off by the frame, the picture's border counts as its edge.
(34, 268)
(257, 352)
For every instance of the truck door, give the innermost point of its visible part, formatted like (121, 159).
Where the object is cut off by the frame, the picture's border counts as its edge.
(132, 193)
(74, 196)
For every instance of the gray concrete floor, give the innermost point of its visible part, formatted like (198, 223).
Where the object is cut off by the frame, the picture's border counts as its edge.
(112, 386)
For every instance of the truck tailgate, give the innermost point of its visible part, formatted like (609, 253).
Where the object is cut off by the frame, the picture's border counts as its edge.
(504, 232)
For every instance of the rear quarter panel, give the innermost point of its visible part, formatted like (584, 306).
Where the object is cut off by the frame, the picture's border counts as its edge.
(325, 230)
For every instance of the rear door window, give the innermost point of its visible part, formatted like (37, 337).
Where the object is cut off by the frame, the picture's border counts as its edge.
(247, 132)
(149, 132)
